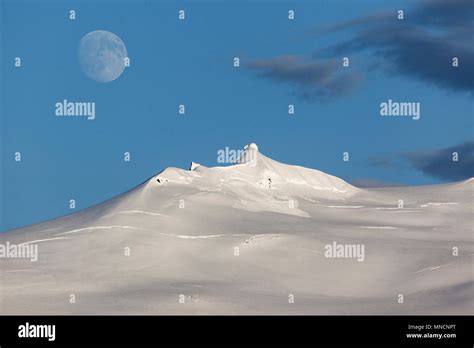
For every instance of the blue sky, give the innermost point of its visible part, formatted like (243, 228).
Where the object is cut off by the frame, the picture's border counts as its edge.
(190, 62)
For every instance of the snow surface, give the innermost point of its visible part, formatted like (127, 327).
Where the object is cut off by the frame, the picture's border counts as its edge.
(242, 239)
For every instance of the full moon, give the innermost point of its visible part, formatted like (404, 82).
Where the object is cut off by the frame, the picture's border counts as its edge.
(102, 55)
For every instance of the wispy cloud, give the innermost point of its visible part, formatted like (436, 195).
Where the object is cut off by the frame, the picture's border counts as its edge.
(420, 47)
(320, 79)
(436, 163)
(440, 164)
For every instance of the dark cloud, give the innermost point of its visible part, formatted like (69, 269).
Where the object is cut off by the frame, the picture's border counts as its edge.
(321, 79)
(444, 13)
(437, 163)
(440, 164)
(422, 45)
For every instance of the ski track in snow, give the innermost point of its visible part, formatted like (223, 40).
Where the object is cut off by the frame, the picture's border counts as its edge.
(432, 268)
(438, 204)
(19, 270)
(200, 237)
(131, 212)
(181, 236)
(344, 206)
(386, 208)
(100, 228)
(262, 235)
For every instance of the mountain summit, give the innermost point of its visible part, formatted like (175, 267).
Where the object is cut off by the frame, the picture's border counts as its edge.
(256, 171)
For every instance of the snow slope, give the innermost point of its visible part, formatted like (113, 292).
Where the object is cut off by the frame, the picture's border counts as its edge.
(248, 239)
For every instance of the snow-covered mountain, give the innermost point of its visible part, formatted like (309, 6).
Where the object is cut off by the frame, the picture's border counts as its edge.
(257, 237)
